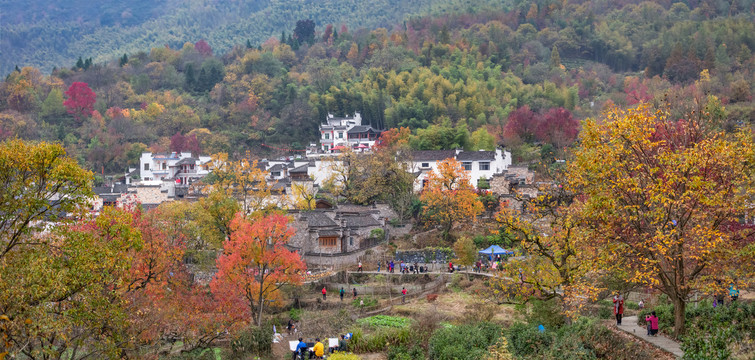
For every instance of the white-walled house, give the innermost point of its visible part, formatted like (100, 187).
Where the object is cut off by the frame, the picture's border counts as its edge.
(180, 168)
(480, 164)
(347, 132)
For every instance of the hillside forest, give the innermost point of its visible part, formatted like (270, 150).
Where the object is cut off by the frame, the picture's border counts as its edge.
(521, 75)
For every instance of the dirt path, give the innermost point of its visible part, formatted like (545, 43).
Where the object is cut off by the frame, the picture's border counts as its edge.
(629, 326)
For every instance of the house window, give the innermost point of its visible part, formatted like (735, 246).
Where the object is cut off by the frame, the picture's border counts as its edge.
(340, 135)
(164, 166)
(467, 165)
(425, 165)
(146, 167)
(351, 241)
(327, 241)
(484, 166)
(326, 136)
(276, 173)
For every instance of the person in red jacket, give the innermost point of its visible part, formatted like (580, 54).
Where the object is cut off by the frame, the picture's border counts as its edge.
(618, 307)
(450, 267)
(403, 295)
(323, 293)
(652, 323)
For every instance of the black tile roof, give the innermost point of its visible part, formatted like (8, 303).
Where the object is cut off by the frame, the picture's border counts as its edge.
(187, 161)
(361, 221)
(113, 189)
(328, 233)
(429, 155)
(299, 170)
(475, 155)
(361, 129)
(318, 219)
(276, 167)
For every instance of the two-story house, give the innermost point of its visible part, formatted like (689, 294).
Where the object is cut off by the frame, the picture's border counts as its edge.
(480, 164)
(181, 168)
(347, 132)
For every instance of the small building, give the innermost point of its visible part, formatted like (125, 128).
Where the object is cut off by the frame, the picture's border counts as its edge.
(181, 168)
(334, 232)
(480, 164)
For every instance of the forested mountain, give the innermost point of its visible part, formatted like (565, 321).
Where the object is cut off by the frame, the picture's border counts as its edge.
(520, 75)
(48, 33)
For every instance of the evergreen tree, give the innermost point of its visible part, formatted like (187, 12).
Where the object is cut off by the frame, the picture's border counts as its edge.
(335, 34)
(79, 63)
(555, 58)
(190, 80)
(248, 44)
(123, 60)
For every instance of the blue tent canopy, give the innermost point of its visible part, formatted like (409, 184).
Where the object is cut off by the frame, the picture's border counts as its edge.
(496, 250)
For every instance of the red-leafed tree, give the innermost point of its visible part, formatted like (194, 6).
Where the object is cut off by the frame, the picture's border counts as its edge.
(80, 102)
(255, 265)
(203, 48)
(521, 125)
(636, 91)
(180, 143)
(557, 127)
(162, 296)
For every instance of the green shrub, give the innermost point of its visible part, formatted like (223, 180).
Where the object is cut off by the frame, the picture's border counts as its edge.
(526, 340)
(584, 339)
(548, 313)
(605, 312)
(255, 340)
(665, 315)
(385, 321)
(378, 340)
(469, 341)
(377, 233)
(365, 301)
(294, 314)
(402, 353)
(718, 333)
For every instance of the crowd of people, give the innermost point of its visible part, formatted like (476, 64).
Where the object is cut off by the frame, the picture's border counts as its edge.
(316, 349)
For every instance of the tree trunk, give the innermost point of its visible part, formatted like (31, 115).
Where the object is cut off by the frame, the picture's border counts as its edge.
(679, 309)
(259, 312)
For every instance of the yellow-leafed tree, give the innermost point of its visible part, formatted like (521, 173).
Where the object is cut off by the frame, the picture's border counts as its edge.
(661, 199)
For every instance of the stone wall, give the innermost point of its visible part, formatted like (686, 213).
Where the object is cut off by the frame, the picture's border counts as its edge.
(366, 256)
(499, 185)
(151, 195)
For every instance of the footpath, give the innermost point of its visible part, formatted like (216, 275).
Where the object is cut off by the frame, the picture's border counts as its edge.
(629, 325)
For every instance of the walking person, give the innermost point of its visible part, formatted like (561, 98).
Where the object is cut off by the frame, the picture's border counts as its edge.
(324, 292)
(355, 293)
(618, 307)
(403, 295)
(378, 266)
(341, 293)
(360, 267)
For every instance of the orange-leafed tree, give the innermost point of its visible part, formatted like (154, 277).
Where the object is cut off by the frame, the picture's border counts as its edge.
(255, 265)
(449, 197)
(659, 198)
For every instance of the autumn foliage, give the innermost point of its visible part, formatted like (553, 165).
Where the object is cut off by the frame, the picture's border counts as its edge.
(255, 265)
(449, 196)
(80, 102)
(658, 197)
